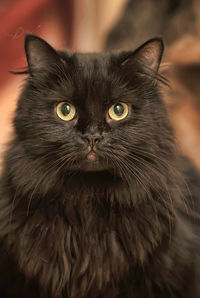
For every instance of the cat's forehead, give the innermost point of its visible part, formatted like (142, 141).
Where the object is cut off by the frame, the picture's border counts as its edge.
(91, 65)
(93, 60)
(93, 76)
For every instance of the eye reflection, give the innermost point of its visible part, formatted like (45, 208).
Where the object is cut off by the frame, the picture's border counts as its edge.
(65, 111)
(118, 111)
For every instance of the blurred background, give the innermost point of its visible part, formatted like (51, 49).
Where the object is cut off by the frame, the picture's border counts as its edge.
(95, 25)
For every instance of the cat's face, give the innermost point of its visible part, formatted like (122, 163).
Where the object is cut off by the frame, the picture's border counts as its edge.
(92, 112)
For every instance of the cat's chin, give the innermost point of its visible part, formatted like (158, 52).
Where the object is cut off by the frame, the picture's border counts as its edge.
(92, 162)
(92, 166)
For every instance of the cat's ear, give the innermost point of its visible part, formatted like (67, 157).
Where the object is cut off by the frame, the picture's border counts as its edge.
(148, 55)
(39, 53)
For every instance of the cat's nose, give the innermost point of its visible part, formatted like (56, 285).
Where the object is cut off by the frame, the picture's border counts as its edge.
(92, 140)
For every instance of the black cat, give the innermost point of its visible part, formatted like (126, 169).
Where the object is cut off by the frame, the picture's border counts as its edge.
(93, 202)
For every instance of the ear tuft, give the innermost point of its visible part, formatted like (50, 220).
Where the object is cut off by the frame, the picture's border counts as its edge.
(39, 53)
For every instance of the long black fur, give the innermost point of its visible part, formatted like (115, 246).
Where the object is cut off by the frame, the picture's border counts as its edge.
(129, 228)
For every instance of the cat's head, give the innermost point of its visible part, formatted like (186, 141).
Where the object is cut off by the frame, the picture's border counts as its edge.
(94, 112)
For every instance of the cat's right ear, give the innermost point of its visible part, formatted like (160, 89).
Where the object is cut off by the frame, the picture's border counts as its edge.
(39, 54)
(148, 55)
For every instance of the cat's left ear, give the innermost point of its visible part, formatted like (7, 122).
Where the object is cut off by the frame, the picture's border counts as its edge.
(39, 54)
(148, 55)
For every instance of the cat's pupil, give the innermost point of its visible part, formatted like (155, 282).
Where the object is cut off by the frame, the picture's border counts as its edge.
(118, 109)
(65, 109)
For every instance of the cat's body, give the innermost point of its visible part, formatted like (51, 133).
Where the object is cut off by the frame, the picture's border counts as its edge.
(92, 201)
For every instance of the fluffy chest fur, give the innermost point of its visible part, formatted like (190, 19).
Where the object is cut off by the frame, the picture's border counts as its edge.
(84, 245)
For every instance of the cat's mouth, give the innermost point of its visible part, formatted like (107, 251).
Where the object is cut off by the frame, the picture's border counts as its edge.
(92, 161)
(92, 156)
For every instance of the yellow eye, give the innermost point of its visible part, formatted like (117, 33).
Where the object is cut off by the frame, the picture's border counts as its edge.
(118, 111)
(65, 111)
